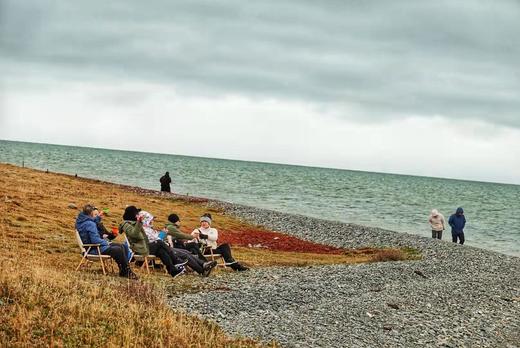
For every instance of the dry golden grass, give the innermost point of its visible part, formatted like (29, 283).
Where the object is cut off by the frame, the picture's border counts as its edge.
(45, 302)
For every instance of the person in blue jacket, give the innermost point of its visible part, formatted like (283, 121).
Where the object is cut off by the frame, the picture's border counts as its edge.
(457, 222)
(86, 224)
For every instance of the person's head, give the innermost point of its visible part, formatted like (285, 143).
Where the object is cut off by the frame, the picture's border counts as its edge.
(435, 212)
(146, 218)
(89, 209)
(460, 211)
(205, 220)
(167, 174)
(174, 219)
(130, 213)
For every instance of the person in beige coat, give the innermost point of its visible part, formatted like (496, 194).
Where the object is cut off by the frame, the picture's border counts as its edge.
(437, 223)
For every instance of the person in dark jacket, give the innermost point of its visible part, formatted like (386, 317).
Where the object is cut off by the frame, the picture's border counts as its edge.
(133, 227)
(165, 182)
(457, 222)
(86, 224)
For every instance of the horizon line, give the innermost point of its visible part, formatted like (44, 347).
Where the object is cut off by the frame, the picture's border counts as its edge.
(265, 162)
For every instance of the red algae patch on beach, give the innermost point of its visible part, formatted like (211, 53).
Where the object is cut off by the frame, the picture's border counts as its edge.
(274, 241)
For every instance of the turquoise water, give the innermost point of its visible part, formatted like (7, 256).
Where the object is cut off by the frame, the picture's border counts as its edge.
(396, 202)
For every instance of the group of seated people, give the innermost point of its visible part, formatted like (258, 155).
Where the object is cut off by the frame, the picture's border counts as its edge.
(175, 249)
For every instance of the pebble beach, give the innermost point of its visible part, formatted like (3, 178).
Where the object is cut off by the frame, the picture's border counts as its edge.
(454, 296)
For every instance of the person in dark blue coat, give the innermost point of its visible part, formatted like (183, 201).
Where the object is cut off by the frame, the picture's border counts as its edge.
(86, 224)
(457, 222)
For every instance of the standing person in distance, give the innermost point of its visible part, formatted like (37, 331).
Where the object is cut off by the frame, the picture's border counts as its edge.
(437, 223)
(457, 222)
(165, 182)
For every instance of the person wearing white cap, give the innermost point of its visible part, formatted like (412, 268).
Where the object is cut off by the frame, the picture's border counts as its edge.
(209, 236)
(437, 223)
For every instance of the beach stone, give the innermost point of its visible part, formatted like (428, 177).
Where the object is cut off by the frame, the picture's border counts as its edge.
(454, 296)
(72, 206)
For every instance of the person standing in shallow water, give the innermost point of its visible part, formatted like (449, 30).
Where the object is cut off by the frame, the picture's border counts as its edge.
(457, 222)
(437, 223)
(165, 182)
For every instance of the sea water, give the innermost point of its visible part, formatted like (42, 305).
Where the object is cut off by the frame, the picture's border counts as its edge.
(396, 202)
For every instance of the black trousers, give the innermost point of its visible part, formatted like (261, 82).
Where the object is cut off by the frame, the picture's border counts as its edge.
(118, 253)
(437, 234)
(459, 236)
(194, 262)
(165, 254)
(225, 251)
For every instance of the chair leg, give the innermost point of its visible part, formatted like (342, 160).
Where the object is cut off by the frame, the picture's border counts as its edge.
(145, 265)
(101, 260)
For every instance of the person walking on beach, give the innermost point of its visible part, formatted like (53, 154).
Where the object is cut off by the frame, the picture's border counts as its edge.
(457, 222)
(165, 182)
(437, 223)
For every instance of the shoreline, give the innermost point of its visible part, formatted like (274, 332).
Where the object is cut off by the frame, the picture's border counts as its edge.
(454, 296)
(244, 208)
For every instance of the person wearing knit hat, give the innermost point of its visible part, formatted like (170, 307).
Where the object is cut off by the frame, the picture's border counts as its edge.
(143, 239)
(180, 240)
(437, 223)
(208, 236)
(182, 244)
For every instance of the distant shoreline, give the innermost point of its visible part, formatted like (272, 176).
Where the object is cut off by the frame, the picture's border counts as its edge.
(222, 203)
(454, 295)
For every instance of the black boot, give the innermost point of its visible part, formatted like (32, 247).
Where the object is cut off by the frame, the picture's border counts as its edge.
(238, 267)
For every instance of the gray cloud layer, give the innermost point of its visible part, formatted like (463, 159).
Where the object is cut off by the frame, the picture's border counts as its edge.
(365, 59)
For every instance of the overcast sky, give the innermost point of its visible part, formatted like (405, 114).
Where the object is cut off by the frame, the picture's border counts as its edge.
(414, 87)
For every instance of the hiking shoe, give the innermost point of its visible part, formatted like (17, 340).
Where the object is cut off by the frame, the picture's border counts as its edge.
(178, 271)
(240, 268)
(208, 267)
(182, 263)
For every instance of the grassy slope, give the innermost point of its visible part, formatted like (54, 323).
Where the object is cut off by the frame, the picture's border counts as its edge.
(44, 301)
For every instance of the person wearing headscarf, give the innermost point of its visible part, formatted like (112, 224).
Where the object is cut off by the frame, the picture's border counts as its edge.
(140, 243)
(199, 266)
(437, 223)
(208, 236)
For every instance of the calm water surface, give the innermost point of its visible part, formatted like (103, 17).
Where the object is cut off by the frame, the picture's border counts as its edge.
(396, 202)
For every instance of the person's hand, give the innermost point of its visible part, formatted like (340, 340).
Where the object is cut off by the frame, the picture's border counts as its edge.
(195, 234)
(140, 218)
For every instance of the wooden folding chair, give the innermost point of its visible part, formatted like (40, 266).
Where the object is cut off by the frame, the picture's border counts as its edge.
(145, 259)
(214, 256)
(87, 259)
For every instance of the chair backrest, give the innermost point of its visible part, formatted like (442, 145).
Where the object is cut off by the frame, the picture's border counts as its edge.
(80, 243)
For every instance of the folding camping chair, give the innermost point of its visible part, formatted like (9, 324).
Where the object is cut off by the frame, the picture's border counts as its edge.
(88, 259)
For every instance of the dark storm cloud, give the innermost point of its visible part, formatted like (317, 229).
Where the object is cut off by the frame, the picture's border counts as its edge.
(379, 59)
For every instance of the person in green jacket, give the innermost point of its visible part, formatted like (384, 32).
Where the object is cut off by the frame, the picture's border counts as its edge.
(132, 226)
(182, 240)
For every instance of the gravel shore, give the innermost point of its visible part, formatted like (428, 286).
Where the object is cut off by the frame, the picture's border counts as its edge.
(456, 296)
